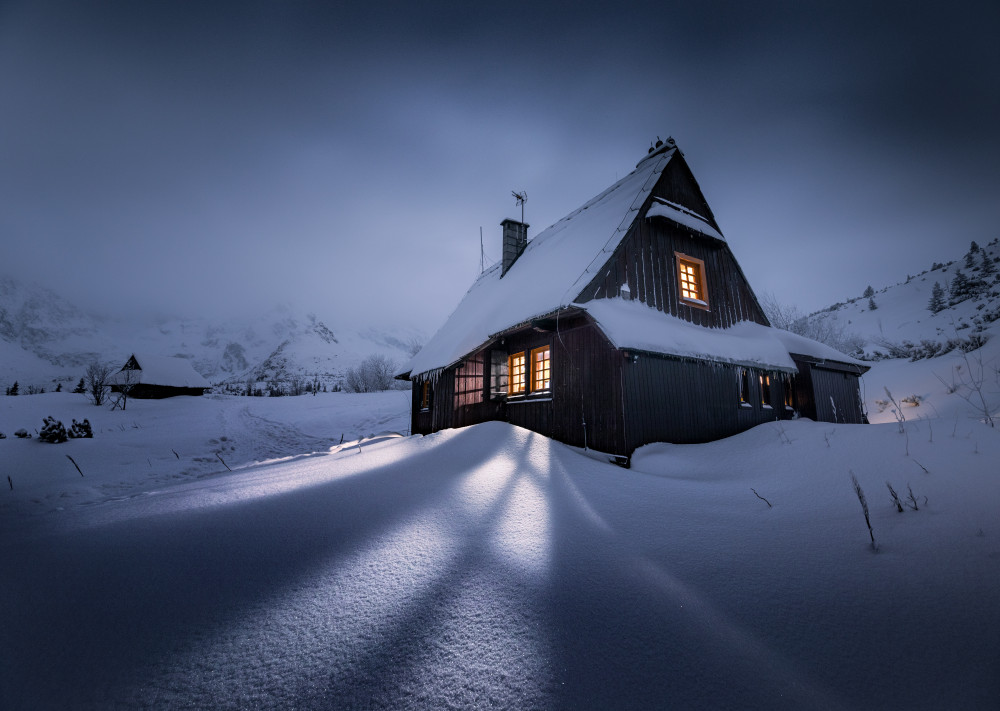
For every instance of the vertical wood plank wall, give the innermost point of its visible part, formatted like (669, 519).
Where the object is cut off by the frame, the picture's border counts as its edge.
(837, 397)
(686, 402)
(645, 261)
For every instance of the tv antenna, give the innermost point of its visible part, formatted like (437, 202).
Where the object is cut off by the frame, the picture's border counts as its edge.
(521, 197)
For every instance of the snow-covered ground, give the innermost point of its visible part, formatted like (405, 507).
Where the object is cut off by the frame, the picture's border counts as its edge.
(488, 566)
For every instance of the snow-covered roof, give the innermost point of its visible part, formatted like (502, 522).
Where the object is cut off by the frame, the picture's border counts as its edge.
(555, 265)
(633, 324)
(683, 216)
(800, 345)
(163, 370)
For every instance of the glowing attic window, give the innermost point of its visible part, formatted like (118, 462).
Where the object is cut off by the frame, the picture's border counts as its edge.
(691, 280)
(517, 374)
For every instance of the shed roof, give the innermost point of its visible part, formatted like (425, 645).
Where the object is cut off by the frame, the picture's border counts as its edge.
(634, 325)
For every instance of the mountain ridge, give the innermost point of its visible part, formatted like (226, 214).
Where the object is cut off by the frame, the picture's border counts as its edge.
(46, 340)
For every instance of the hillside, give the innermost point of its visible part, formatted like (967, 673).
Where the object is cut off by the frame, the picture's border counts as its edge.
(937, 360)
(45, 340)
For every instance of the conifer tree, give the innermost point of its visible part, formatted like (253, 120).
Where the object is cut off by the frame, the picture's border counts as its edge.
(970, 260)
(12, 390)
(869, 292)
(988, 267)
(959, 287)
(871, 304)
(937, 298)
(80, 388)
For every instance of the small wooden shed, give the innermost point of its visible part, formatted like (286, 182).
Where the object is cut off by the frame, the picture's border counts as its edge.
(151, 376)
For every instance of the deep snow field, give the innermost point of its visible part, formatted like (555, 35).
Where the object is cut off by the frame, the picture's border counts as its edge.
(489, 567)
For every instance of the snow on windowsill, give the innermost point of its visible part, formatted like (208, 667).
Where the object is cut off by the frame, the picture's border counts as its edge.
(525, 399)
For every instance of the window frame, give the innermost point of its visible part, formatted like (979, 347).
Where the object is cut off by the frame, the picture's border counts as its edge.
(535, 385)
(789, 392)
(765, 390)
(698, 270)
(743, 385)
(425, 396)
(517, 376)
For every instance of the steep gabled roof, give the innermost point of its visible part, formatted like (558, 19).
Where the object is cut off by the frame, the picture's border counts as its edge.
(162, 370)
(563, 259)
(556, 264)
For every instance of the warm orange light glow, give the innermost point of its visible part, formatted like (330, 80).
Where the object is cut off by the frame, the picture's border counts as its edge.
(690, 283)
(691, 280)
(541, 368)
(425, 395)
(765, 390)
(516, 368)
(744, 386)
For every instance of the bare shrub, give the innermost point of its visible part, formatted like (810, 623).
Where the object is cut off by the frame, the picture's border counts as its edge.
(825, 328)
(96, 379)
(864, 508)
(373, 374)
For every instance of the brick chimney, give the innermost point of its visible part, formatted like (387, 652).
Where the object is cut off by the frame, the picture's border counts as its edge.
(515, 237)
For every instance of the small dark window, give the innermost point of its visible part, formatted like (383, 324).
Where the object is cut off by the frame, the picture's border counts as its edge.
(744, 383)
(789, 392)
(765, 390)
(498, 374)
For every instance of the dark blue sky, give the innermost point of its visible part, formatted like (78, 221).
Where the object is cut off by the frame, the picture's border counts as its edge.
(215, 157)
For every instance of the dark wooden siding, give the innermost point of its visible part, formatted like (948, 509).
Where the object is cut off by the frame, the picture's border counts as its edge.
(814, 387)
(584, 405)
(421, 421)
(645, 260)
(614, 401)
(143, 391)
(671, 400)
(836, 396)
(678, 185)
(802, 387)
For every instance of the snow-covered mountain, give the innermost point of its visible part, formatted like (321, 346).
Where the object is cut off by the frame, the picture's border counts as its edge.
(45, 340)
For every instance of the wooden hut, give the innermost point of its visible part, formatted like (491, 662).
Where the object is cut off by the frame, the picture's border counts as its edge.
(627, 322)
(150, 376)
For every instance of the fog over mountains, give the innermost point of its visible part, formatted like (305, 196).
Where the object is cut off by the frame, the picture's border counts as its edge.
(46, 340)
